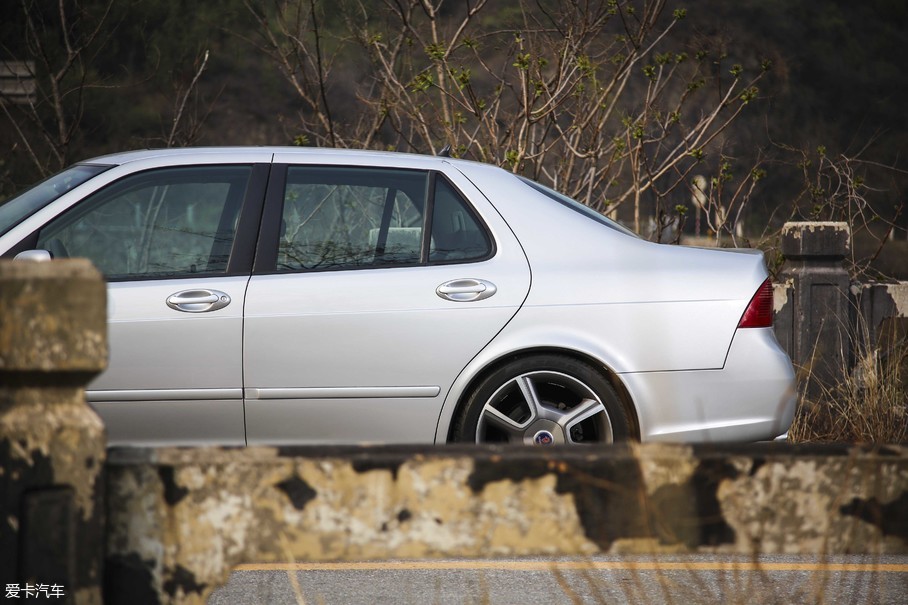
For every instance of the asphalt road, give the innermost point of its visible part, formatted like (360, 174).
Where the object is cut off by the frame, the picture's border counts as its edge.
(682, 580)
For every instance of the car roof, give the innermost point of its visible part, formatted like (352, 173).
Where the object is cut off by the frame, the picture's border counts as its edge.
(364, 154)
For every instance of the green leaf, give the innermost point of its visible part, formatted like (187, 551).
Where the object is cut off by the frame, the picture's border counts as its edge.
(749, 95)
(436, 51)
(422, 82)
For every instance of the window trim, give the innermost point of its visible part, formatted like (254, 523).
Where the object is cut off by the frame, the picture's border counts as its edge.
(427, 215)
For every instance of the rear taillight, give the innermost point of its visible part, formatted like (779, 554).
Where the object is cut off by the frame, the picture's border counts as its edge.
(758, 313)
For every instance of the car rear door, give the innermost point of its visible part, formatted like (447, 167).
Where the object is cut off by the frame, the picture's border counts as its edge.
(356, 325)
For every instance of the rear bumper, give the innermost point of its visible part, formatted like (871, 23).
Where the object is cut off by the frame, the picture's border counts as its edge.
(752, 398)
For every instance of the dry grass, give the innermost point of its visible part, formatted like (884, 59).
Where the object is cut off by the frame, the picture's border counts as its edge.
(869, 404)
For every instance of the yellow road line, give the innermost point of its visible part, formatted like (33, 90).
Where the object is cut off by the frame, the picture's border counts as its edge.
(575, 565)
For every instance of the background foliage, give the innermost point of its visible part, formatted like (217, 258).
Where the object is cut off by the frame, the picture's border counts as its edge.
(818, 127)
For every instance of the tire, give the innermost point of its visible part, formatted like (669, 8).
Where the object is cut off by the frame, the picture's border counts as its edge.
(543, 400)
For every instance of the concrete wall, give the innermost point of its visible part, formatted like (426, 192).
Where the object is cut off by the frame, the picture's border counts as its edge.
(179, 520)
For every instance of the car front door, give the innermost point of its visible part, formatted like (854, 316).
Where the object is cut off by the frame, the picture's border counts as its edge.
(373, 289)
(169, 241)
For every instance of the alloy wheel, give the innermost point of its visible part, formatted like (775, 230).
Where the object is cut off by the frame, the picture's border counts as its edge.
(544, 408)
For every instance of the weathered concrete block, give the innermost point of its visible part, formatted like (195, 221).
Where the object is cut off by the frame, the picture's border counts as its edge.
(181, 519)
(816, 239)
(54, 321)
(783, 314)
(884, 314)
(53, 340)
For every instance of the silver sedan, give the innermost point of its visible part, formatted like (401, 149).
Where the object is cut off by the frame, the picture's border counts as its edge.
(299, 296)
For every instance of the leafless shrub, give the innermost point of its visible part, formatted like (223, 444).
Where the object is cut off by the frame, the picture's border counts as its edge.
(63, 41)
(188, 119)
(596, 99)
(845, 187)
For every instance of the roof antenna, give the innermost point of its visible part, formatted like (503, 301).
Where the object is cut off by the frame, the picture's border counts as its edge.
(445, 151)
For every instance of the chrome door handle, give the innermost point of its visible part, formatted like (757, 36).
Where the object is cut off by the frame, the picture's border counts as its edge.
(198, 301)
(466, 290)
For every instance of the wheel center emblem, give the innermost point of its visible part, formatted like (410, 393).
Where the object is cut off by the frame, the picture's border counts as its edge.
(544, 438)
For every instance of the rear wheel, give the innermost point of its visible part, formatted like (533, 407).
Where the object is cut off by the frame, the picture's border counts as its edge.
(543, 400)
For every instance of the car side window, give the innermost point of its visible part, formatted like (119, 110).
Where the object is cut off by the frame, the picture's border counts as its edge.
(169, 222)
(457, 235)
(348, 218)
(341, 218)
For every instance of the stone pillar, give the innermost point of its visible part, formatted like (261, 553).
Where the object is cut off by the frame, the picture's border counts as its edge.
(820, 342)
(53, 340)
